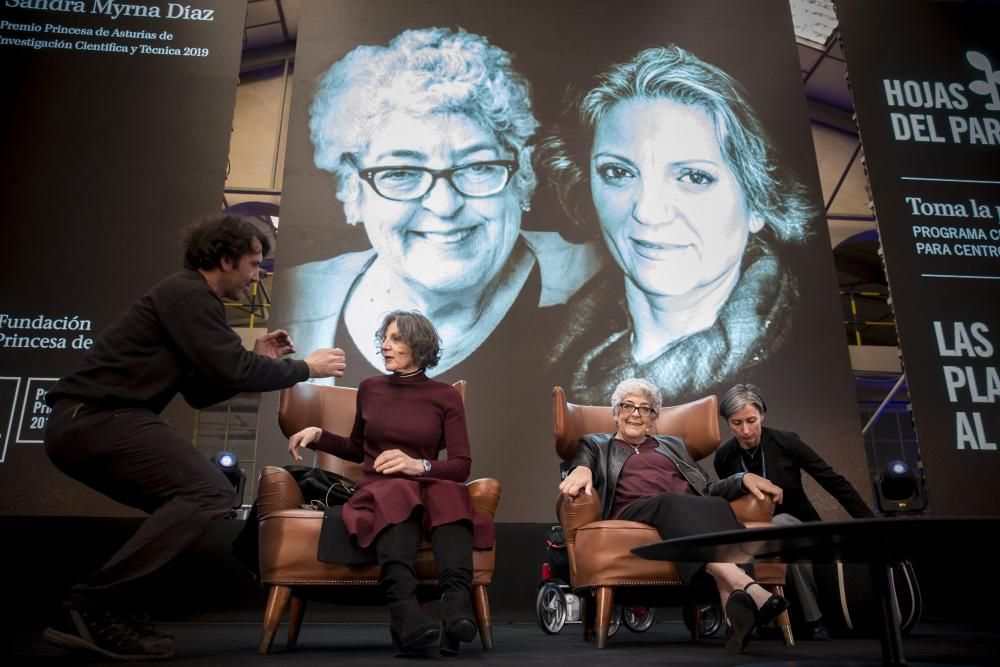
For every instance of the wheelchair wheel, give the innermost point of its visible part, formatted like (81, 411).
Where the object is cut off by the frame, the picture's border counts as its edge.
(550, 608)
(711, 619)
(638, 619)
(616, 621)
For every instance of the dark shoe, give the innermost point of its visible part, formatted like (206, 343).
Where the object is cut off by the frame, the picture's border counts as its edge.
(110, 635)
(772, 607)
(742, 614)
(459, 621)
(817, 632)
(140, 620)
(411, 630)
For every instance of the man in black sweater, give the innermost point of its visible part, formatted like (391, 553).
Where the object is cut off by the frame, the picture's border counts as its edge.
(105, 428)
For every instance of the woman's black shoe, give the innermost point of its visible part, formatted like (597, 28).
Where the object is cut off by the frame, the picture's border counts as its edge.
(411, 631)
(459, 621)
(816, 631)
(742, 614)
(772, 607)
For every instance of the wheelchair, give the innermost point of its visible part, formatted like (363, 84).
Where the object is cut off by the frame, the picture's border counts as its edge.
(556, 604)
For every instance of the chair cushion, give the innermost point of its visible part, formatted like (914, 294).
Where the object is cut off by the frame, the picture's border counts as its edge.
(289, 542)
(603, 555)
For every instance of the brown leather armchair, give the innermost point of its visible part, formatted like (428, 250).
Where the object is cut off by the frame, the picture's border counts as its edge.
(602, 565)
(289, 534)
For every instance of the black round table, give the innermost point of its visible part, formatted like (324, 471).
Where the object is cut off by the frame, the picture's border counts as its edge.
(874, 541)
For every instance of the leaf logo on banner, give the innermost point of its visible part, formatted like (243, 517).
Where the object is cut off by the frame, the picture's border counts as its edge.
(989, 85)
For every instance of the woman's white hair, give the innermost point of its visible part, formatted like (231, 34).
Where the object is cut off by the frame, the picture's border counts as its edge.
(636, 386)
(421, 72)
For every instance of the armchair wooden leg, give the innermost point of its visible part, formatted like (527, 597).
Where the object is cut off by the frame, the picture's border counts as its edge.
(481, 606)
(277, 601)
(604, 600)
(295, 614)
(783, 621)
(785, 624)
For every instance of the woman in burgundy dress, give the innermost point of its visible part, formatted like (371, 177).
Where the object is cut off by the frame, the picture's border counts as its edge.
(403, 421)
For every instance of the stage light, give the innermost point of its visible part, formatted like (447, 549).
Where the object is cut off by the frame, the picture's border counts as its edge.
(898, 482)
(229, 465)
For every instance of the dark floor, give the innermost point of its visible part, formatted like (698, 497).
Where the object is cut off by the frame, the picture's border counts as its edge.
(214, 609)
(234, 644)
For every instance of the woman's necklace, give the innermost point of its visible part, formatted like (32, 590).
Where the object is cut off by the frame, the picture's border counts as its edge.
(752, 455)
(635, 447)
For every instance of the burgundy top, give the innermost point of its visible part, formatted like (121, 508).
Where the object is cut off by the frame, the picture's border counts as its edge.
(645, 474)
(419, 417)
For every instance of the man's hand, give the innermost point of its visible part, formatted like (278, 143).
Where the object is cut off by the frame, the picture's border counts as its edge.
(761, 488)
(274, 345)
(301, 440)
(326, 362)
(394, 461)
(581, 479)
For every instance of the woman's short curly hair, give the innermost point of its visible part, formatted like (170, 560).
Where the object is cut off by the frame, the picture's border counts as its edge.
(638, 386)
(416, 331)
(672, 73)
(422, 72)
(221, 236)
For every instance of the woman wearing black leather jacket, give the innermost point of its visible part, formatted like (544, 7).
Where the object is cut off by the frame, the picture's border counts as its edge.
(654, 480)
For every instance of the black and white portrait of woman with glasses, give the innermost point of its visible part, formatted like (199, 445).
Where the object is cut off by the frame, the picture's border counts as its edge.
(428, 140)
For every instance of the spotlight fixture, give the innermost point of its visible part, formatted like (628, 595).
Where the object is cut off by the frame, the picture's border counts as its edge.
(899, 485)
(229, 465)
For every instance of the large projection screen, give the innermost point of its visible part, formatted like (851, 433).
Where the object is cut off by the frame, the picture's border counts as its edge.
(725, 279)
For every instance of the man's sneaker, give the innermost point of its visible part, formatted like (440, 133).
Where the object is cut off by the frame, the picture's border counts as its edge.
(110, 635)
(140, 620)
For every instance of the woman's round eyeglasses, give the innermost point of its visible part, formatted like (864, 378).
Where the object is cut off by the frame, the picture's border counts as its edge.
(405, 183)
(643, 410)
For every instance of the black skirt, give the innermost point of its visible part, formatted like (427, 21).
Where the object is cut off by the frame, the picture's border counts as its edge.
(675, 515)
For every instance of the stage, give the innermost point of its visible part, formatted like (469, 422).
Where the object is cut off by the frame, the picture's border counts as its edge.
(233, 643)
(214, 608)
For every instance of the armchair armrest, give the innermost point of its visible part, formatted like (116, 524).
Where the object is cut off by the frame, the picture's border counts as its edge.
(748, 509)
(577, 513)
(485, 493)
(277, 490)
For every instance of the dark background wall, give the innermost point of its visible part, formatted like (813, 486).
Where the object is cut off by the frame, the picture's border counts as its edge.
(107, 156)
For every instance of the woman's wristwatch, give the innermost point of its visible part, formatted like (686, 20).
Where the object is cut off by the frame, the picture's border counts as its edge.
(427, 467)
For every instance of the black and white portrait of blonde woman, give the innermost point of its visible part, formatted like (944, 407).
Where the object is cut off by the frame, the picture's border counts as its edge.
(428, 141)
(667, 160)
